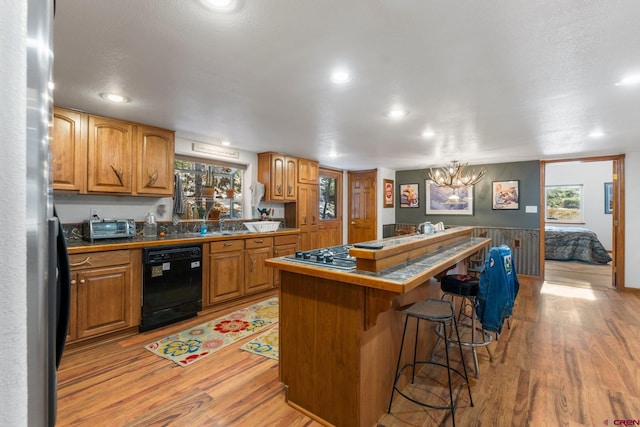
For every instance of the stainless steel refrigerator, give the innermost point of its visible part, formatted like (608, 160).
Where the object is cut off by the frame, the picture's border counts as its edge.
(48, 286)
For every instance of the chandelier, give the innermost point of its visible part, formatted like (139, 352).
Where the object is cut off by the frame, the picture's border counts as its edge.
(455, 175)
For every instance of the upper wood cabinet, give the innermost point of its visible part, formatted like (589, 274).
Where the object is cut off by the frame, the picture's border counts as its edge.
(278, 173)
(68, 157)
(98, 155)
(155, 161)
(110, 154)
(308, 171)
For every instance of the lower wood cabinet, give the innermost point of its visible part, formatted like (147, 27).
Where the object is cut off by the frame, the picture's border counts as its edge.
(283, 246)
(257, 276)
(105, 293)
(226, 271)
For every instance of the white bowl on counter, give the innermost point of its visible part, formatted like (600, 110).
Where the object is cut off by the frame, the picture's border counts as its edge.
(262, 226)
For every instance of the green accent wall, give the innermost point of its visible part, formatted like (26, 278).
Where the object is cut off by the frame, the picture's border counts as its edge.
(528, 173)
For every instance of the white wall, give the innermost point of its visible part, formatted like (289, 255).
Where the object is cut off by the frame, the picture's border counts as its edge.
(632, 225)
(13, 235)
(592, 175)
(385, 215)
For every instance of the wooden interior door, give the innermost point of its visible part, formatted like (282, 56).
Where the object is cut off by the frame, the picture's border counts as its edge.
(330, 209)
(362, 206)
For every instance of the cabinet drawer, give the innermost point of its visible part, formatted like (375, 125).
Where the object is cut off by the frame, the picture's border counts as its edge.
(99, 259)
(258, 242)
(226, 245)
(291, 239)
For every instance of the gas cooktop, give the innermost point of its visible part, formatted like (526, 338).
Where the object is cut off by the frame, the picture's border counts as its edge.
(335, 257)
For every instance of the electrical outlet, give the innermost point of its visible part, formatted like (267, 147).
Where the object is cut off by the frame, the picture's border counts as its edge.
(94, 213)
(517, 243)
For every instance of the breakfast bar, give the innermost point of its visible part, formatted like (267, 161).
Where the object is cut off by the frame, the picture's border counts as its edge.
(340, 330)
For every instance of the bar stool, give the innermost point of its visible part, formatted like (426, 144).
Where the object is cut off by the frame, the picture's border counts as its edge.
(441, 312)
(465, 287)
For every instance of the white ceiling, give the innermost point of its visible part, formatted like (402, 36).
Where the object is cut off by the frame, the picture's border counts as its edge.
(497, 81)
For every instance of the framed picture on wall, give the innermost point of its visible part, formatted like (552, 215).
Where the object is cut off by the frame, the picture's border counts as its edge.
(387, 185)
(449, 201)
(409, 196)
(608, 197)
(506, 195)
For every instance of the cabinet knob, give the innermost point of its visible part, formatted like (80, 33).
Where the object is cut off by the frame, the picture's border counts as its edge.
(82, 280)
(73, 281)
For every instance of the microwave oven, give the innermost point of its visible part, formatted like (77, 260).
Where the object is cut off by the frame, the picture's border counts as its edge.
(108, 229)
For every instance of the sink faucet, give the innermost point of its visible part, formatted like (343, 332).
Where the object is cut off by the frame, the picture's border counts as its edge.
(220, 225)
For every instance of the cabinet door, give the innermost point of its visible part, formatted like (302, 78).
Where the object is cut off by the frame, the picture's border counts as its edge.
(282, 250)
(278, 177)
(225, 276)
(104, 301)
(110, 155)
(308, 171)
(155, 161)
(257, 276)
(291, 173)
(68, 158)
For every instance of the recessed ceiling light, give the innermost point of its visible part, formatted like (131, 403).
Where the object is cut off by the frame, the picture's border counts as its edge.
(629, 80)
(333, 153)
(428, 134)
(225, 143)
(597, 134)
(340, 76)
(397, 113)
(114, 97)
(221, 5)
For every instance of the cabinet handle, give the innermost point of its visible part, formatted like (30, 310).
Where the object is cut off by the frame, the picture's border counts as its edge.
(81, 280)
(290, 190)
(73, 281)
(153, 177)
(83, 262)
(304, 220)
(279, 189)
(252, 264)
(258, 240)
(118, 173)
(226, 244)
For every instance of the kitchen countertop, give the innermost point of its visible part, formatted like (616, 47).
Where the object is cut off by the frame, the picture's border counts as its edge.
(83, 246)
(402, 277)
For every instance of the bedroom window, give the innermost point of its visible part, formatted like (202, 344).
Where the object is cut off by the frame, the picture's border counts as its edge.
(564, 203)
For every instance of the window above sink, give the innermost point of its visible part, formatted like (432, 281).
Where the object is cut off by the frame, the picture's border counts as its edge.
(210, 189)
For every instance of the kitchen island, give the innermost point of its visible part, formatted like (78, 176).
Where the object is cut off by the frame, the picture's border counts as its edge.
(340, 330)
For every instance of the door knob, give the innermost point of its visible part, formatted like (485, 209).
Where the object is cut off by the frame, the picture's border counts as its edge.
(353, 223)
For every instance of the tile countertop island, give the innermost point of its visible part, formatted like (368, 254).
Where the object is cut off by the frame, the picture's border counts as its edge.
(340, 330)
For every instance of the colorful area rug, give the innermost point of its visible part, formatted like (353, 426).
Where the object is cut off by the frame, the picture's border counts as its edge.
(265, 345)
(194, 344)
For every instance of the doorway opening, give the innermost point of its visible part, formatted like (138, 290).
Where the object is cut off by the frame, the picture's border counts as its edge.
(581, 242)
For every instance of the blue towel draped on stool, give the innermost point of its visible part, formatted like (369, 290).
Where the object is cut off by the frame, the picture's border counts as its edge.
(498, 289)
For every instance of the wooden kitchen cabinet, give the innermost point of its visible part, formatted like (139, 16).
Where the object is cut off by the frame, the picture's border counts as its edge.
(68, 156)
(107, 293)
(278, 173)
(155, 154)
(226, 271)
(308, 171)
(283, 246)
(306, 212)
(257, 276)
(98, 155)
(110, 149)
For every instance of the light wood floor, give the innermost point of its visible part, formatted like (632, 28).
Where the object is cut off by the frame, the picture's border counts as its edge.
(576, 273)
(571, 357)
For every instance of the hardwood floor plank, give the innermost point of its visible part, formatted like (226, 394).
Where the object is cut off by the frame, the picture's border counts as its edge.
(571, 357)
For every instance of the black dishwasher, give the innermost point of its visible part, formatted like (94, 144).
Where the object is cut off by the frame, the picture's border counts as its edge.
(171, 285)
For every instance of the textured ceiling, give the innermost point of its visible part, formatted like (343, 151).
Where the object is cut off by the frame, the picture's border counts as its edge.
(495, 80)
